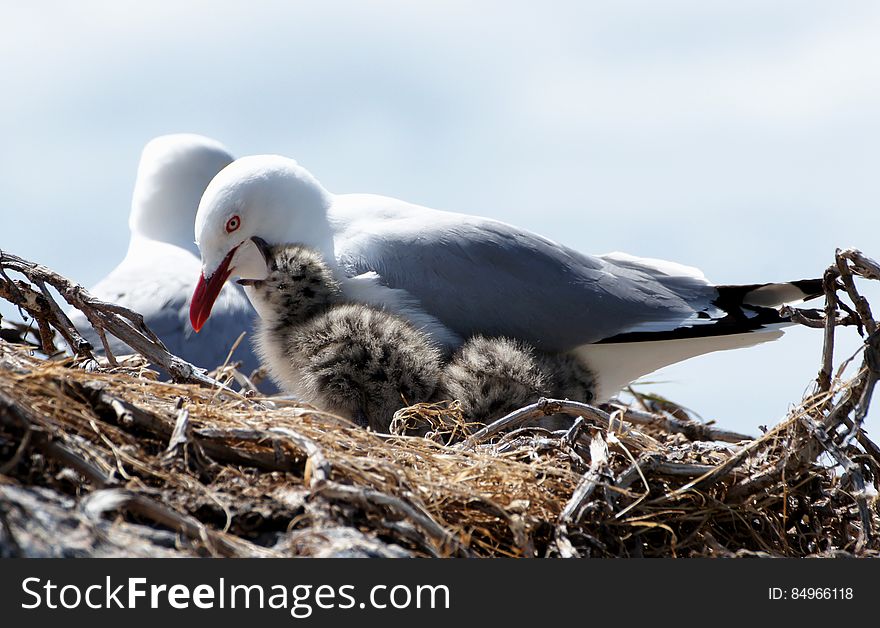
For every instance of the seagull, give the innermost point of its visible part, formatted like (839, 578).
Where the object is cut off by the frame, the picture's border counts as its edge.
(456, 276)
(351, 359)
(159, 271)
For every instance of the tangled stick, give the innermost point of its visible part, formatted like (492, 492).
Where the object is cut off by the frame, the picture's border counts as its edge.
(123, 323)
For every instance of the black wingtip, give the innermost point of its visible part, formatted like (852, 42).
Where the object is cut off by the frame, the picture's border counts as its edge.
(812, 288)
(732, 297)
(744, 311)
(736, 322)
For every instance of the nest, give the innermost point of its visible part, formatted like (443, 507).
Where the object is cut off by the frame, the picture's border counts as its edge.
(97, 458)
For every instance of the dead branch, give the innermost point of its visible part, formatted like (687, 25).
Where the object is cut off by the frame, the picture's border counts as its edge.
(125, 324)
(370, 498)
(872, 374)
(109, 500)
(829, 285)
(690, 429)
(861, 304)
(598, 470)
(853, 471)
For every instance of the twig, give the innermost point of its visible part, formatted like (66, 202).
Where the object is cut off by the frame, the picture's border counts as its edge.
(10, 464)
(571, 435)
(800, 316)
(14, 414)
(541, 408)
(862, 307)
(598, 469)
(317, 463)
(864, 266)
(68, 331)
(692, 430)
(125, 324)
(514, 523)
(872, 374)
(181, 434)
(829, 285)
(546, 407)
(26, 298)
(839, 414)
(372, 498)
(214, 441)
(652, 463)
(852, 470)
(726, 468)
(106, 500)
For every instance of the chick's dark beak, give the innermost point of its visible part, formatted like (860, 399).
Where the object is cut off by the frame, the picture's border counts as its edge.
(256, 283)
(264, 249)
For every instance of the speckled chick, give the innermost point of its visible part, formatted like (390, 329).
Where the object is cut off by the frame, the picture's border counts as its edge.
(491, 377)
(351, 359)
(569, 377)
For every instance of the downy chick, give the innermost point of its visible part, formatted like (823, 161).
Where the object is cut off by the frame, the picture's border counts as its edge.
(491, 377)
(351, 359)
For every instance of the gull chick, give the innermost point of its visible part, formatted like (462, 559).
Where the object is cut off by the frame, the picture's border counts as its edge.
(351, 359)
(491, 377)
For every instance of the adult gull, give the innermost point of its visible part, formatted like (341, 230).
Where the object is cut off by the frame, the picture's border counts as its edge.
(159, 271)
(456, 275)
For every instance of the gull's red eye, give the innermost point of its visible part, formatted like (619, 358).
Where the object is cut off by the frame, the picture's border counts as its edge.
(232, 224)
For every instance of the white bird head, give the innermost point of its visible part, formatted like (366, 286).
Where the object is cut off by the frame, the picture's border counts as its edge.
(173, 172)
(264, 196)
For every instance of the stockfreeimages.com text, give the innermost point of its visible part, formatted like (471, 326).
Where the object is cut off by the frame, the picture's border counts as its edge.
(301, 600)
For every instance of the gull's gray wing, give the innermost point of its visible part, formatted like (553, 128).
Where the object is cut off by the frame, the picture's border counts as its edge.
(482, 276)
(157, 280)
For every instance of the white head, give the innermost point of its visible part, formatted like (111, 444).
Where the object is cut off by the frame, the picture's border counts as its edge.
(267, 196)
(172, 175)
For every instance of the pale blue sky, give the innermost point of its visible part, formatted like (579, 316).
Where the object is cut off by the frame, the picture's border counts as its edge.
(726, 136)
